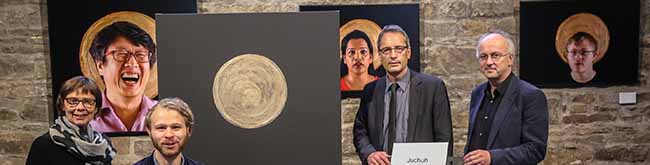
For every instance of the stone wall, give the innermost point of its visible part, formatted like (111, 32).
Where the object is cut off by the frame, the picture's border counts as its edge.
(587, 124)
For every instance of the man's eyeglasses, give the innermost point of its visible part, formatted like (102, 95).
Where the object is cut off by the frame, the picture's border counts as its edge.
(73, 102)
(493, 56)
(364, 52)
(396, 49)
(583, 53)
(122, 55)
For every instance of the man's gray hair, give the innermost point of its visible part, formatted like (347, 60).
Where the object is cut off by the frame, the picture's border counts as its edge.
(512, 49)
(392, 28)
(174, 104)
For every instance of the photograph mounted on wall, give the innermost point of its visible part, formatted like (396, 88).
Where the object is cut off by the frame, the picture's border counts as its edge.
(358, 34)
(579, 44)
(98, 42)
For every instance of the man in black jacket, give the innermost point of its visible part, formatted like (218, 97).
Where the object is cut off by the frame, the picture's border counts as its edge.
(508, 121)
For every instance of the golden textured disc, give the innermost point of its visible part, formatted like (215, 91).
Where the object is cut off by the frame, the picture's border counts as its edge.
(249, 91)
(582, 22)
(370, 28)
(86, 61)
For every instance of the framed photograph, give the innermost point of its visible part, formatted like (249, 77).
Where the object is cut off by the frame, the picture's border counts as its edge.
(573, 43)
(359, 28)
(96, 40)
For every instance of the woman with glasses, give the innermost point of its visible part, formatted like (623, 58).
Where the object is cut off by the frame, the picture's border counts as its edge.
(71, 140)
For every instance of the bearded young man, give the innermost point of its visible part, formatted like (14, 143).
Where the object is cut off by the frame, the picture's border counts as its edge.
(169, 124)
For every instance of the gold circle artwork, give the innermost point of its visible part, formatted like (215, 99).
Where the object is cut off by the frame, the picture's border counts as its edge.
(249, 91)
(86, 61)
(582, 22)
(370, 28)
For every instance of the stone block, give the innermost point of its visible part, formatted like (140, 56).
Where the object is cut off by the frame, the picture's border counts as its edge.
(491, 8)
(577, 108)
(643, 96)
(7, 114)
(35, 110)
(631, 118)
(12, 159)
(34, 127)
(608, 98)
(584, 98)
(580, 118)
(601, 117)
(554, 110)
(594, 139)
(558, 154)
(122, 145)
(463, 85)
(456, 60)
(574, 119)
(507, 24)
(625, 153)
(23, 89)
(347, 145)
(349, 108)
(605, 108)
(445, 9)
(20, 15)
(16, 143)
(245, 7)
(31, 32)
(351, 160)
(459, 115)
(142, 147)
(15, 66)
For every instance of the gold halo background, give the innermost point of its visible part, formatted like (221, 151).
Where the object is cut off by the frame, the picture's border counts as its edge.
(370, 28)
(249, 91)
(86, 61)
(582, 22)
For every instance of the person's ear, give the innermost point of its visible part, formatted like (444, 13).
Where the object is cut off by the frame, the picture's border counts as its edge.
(100, 67)
(408, 53)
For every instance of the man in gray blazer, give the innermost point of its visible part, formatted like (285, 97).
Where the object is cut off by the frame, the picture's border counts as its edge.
(508, 121)
(403, 106)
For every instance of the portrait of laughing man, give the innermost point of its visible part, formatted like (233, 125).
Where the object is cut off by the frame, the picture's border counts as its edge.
(124, 55)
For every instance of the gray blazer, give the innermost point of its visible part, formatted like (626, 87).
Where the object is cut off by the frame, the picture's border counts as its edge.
(429, 117)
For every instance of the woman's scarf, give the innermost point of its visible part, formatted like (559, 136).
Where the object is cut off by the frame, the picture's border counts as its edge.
(89, 146)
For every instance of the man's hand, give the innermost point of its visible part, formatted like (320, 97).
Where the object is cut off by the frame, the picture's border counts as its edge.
(378, 158)
(478, 157)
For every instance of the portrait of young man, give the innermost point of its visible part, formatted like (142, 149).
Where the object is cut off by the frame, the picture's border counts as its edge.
(124, 55)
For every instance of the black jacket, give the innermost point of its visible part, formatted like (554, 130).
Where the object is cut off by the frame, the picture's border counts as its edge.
(44, 151)
(519, 132)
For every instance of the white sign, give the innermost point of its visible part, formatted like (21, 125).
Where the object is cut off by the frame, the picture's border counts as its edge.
(419, 153)
(627, 98)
